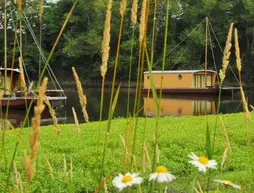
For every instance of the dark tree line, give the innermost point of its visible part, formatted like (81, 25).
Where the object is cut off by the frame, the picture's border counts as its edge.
(80, 45)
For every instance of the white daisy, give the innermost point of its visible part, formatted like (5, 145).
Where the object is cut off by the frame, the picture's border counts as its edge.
(162, 175)
(202, 162)
(122, 181)
(228, 183)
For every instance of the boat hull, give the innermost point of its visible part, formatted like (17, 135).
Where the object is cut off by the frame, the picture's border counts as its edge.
(22, 102)
(198, 91)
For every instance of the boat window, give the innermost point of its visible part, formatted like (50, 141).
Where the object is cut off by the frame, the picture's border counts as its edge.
(180, 77)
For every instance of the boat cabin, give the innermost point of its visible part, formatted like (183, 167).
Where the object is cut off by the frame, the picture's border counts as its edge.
(181, 79)
(11, 82)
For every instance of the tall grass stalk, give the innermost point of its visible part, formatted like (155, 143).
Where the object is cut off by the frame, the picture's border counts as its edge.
(110, 116)
(156, 132)
(134, 22)
(5, 75)
(144, 150)
(245, 106)
(105, 57)
(82, 96)
(142, 48)
(122, 12)
(154, 30)
(111, 104)
(141, 39)
(222, 75)
(41, 10)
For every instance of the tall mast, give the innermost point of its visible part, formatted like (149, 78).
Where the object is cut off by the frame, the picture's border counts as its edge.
(206, 42)
(5, 44)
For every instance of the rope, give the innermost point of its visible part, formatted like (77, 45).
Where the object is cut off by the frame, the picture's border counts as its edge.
(183, 52)
(43, 55)
(170, 51)
(38, 46)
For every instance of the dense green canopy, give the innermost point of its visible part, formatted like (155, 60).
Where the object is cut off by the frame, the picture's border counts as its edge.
(80, 45)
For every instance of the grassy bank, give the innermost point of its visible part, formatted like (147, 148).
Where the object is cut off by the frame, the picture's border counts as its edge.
(178, 136)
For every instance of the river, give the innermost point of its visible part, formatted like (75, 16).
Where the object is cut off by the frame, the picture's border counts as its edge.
(170, 106)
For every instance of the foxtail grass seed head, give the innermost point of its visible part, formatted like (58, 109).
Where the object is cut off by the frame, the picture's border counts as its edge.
(245, 104)
(51, 171)
(53, 116)
(224, 157)
(71, 169)
(22, 76)
(77, 129)
(19, 5)
(36, 120)
(106, 40)
(226, 55)
(142, 21)
(237, 52)
(134, 11)
(41, 10)
(29, 167)
(82, 97)
(122, 7)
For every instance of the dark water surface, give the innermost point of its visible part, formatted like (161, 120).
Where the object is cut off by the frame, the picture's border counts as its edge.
(170, 106)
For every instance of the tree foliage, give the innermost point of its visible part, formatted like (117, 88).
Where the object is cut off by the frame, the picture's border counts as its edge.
(80, 45)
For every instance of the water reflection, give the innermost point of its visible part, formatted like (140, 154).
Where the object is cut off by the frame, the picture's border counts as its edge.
(180, 105)
(15, 117)
(170, 105)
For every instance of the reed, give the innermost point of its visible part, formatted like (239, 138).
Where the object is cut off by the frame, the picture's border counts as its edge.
(53, 116)
(51, 171)
(77, 129)
(34, 137)
(245, 106)
(23, 82)
(134, 11)
(122, 7)
(226, 55)
(41, 10)
(18, 185)
(141, 61)
(105, 57)
(113, 100)
(82, 96)
(142, 24)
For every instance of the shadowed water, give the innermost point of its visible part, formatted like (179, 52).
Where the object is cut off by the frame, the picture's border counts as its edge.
(170, 106)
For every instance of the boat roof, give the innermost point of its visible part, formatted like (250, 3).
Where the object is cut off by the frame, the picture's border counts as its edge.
(179, 71)
(10, 69)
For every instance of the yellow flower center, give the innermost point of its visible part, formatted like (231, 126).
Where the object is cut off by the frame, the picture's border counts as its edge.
(161, 169)
(127, 179)
(203, 160)
(228, 182)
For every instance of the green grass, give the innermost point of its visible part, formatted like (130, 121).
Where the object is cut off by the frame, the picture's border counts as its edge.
(178, 136)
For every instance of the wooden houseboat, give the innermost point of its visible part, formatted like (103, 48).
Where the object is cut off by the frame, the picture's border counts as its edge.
(184, 82)
(12, 94)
